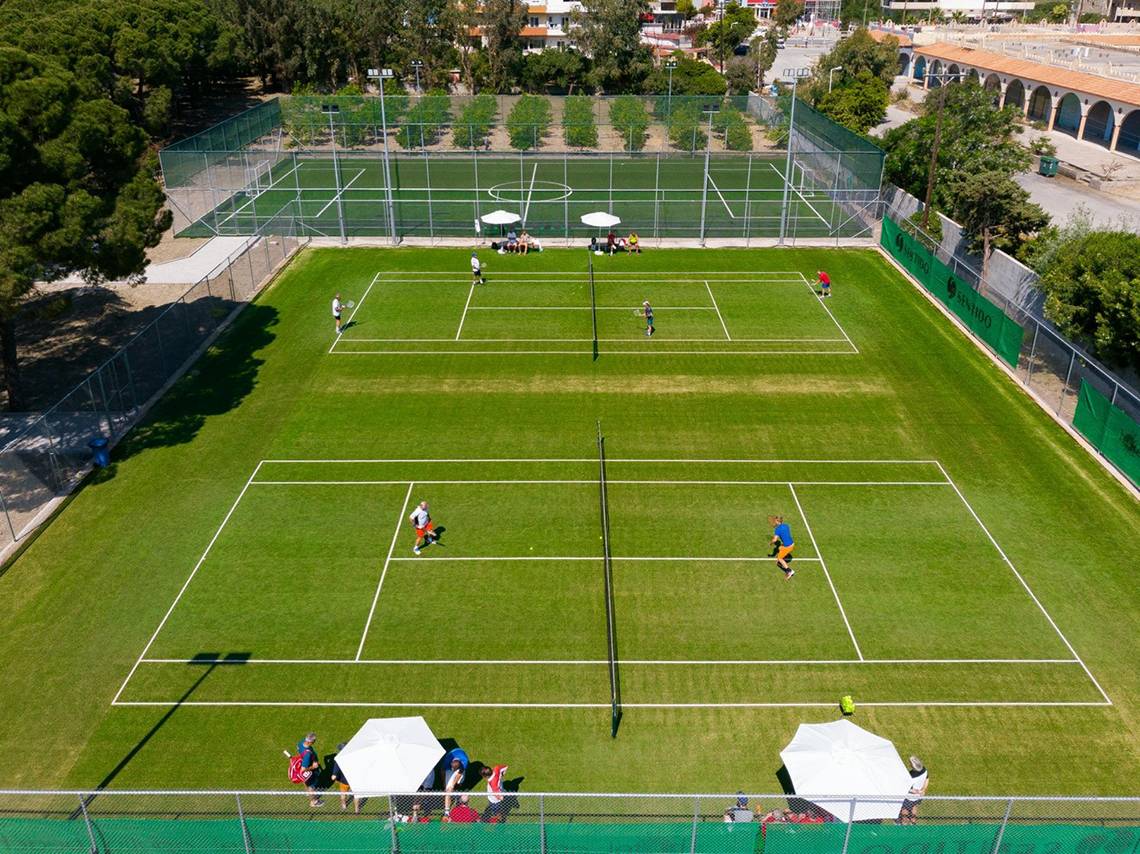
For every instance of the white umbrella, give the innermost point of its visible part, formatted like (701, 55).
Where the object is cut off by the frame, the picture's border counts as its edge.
(600, 219)
(390, 755)
(841, 758)
(500, 218)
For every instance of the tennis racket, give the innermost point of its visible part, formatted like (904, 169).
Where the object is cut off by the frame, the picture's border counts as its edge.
(350, 304)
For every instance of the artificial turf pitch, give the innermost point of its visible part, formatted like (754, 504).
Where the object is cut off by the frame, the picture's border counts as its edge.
(242, 574)
(441, 195)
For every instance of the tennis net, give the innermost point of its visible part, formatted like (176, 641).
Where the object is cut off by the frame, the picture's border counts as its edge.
(608, 571)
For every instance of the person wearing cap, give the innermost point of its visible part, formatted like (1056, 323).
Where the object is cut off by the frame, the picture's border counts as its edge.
(311, 762)
(647, 313)
(454, 770)
(342, 784)
(919, 780)
(477, 270)
(740, 812)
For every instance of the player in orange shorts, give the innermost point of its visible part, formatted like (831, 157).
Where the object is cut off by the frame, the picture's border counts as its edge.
(425, 530)
(782, 545)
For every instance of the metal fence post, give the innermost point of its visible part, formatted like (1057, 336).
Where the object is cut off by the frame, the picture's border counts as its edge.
(245, 840)
(1065, 387)
(1115, 389)
(392, 824)
(1032, 353)
(542, 824)
(696, 818)
(90, 829)
(850, 821)
(4, 507)
(103, 394)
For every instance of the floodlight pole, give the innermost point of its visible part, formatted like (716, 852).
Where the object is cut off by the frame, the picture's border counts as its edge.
(829, 73)
(382, 74)
(796, 74)
(705, 183)
(417, 64)
(670, 64)
(331, 110)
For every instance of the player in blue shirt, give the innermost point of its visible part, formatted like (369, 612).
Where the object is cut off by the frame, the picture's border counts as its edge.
(782, 545)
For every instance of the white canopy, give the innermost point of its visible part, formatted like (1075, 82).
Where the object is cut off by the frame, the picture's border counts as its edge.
(500, 217)
(843, 759)
(390, 755)
(600, 219)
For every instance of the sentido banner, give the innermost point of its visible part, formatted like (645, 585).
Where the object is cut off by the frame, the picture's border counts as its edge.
(981, 316)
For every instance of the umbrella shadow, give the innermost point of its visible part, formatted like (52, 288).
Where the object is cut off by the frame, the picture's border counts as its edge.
(795, 804)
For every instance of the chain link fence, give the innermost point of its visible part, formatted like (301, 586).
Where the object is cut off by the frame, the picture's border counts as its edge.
(718, 824)
(45, 459)
(1048, 364)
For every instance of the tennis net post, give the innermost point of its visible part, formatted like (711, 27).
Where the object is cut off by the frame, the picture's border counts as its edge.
(608, 573)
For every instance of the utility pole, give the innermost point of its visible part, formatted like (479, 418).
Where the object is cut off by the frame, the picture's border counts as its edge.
(934, 149)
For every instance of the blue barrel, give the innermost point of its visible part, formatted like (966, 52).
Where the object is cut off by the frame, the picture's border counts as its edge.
(100, 451)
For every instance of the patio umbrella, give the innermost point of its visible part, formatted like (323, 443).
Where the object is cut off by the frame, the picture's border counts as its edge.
(600, 219)
(390, 755)
(843, 759)
(500, 218)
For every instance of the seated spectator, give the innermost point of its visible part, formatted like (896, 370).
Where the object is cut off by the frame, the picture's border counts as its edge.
(634, 243)
(512, 241)
(534, 243)
(611, 240)
(594, 245)
(463, 814)
(739, 812)
(524, 242)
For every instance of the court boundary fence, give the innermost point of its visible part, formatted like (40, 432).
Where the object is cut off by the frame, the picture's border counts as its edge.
(250, 821)
(1052, 368)
(41, 463)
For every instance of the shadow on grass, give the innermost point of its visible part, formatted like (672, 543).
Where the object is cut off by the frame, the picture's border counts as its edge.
(217, 383)
(208, 660)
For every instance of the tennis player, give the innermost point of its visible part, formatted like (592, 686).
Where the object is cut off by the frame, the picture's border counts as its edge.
(824, 284)
(477, 269)
(425, 530)
(647, 312)
(336, 310)
(782, 545)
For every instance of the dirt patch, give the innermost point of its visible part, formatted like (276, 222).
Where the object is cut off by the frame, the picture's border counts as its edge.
(669, 386)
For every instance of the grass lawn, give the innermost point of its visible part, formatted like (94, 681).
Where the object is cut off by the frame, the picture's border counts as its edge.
(243, 573)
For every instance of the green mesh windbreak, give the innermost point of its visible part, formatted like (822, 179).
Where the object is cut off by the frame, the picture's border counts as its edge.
(1110, 430)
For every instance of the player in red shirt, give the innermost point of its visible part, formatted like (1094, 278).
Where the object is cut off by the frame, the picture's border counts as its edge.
(496, 810)
(824, 284)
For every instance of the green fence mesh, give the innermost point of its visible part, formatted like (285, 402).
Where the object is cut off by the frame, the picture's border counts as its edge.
(862, 159)
(1110, 430)
(982, 317)
(183, 161)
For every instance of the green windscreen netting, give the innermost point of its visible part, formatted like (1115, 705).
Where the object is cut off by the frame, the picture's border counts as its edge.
(1110, 430)
(982, 317)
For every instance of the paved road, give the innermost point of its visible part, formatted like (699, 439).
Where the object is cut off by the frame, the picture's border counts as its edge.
(1060, 197)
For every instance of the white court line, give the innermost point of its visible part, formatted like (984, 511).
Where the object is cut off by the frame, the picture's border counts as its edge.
(720, 317)
(811, 207)
(427, 705)
(618, 481)
(587, 308)
(338, 194)
(722, 200)
(595, 559)
(823, 304)
(418, 274)
(359, 303)
(466, 306)
(384, 571)
(186, 583)
(530, 192)
(610, 340)
(252, 199)
(823, 564)
(1025, 584)
(593, 662)
(654, 352)
(684, 461)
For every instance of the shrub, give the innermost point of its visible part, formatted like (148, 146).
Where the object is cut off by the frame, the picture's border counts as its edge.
(475, 122)
(578, 126)
(528, 122)
(685, 129)
(424, 123)
(738, 136)
(631, 120)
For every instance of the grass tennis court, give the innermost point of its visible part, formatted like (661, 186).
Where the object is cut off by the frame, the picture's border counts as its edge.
(444, 194)
(243, 573)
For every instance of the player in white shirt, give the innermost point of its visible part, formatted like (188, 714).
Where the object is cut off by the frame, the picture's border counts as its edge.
(477, 269)
(425, 530)
(336, 309)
